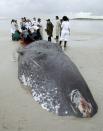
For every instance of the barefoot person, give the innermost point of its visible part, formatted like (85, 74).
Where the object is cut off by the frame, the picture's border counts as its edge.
(65, 30)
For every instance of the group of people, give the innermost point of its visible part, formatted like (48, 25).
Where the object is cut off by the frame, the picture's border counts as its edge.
(28, 31)
(33, 30)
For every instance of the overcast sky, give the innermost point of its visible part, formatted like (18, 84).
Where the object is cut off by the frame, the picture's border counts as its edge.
(9, 8)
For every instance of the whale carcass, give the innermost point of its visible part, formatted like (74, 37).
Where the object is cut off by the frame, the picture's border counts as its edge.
(54, 80)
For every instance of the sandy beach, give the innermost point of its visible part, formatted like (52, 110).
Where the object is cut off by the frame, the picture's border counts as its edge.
(18, 110)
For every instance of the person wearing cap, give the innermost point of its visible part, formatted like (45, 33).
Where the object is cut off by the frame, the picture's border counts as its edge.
(49, 29)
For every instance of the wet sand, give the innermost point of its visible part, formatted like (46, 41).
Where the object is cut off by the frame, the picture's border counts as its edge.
(18, 110)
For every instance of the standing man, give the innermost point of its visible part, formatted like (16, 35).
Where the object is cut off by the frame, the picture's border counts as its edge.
(57, 28)
(49, 29)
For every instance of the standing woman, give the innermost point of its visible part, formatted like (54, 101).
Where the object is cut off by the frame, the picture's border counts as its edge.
(65, 30)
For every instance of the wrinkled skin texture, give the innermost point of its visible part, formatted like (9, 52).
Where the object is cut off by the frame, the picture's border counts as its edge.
(54, 80)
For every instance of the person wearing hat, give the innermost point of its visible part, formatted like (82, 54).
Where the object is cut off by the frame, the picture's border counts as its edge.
(49, 29)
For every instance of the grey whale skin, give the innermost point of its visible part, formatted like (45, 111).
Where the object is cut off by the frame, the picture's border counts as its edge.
(54, 80)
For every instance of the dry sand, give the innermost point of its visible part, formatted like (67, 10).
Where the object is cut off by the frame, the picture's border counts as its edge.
(19, 112)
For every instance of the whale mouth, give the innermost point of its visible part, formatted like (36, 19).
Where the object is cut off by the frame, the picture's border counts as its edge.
(80, 104)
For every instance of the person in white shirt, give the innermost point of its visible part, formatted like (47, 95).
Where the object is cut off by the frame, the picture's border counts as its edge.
(13, 26)
(57, 28)
(39, 24)
(65, 30)
(28, 24)
(16, 25)
(34, 23)
(23, 24)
